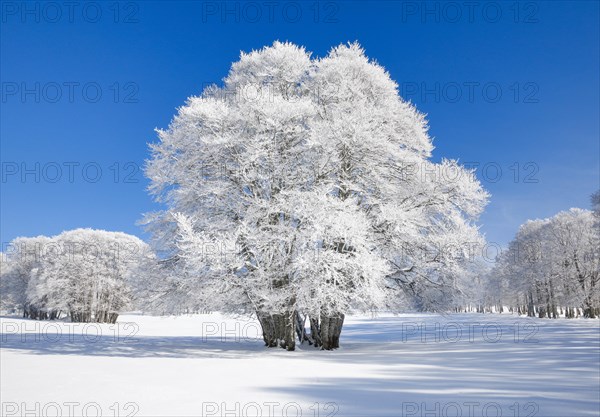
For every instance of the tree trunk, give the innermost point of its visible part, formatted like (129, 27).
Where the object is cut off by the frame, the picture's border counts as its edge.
(331, 328)
(530, 306)
(278, 329)
(81, 317)
(315, 332)
(300, 330)
(112, 317)
(542, 312)
(588, 309)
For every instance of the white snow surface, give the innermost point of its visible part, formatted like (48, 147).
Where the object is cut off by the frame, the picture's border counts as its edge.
(216, 365)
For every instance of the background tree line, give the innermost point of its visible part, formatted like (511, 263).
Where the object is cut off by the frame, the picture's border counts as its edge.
(552, 267)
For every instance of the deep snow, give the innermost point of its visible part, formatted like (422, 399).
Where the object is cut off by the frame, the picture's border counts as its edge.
(210, 364)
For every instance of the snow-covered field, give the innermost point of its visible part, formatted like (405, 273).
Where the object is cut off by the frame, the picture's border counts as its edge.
(212, 365)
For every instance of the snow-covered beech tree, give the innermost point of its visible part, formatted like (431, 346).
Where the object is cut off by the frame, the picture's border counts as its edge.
(85, 274)
(551, 265)
(305, 187)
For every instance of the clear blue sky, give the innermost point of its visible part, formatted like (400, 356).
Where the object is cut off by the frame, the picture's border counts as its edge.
(84, 89)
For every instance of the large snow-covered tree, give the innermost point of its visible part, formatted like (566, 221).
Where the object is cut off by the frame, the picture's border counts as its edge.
(306, 187)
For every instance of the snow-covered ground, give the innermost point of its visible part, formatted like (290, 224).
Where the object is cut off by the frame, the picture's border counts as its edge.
(212, 365)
